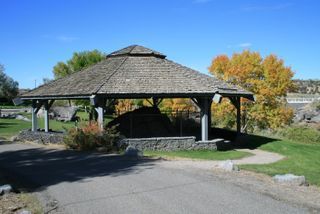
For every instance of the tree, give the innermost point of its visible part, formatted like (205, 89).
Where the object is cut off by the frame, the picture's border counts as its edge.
(78, 62)
(8, 87)
(268, 78)
(124, 105)
(177, 104)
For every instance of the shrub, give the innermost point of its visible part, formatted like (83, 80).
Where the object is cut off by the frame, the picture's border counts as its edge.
(90, 136)
(301, 134)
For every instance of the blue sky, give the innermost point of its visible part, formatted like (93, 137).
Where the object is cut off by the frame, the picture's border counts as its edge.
(35, 35)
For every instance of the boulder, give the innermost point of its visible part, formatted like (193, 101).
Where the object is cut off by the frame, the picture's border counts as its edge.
(290, 179)
(20, 117)
(228, 165)
(25, 212)
(133, 152)
(61, 113)
(4, 189)
(316, 119)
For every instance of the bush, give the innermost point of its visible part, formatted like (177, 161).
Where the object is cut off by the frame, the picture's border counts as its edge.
(90, 137)
(302, 134)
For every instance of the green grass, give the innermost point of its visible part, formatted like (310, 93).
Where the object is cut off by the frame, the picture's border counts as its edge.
(301, 159)
(11, 127)
(202, 154)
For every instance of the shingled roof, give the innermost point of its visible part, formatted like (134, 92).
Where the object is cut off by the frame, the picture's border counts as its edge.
(135, 72)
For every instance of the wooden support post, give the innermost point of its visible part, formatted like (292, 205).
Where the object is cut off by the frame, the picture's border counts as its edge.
(100, 117)
(204, 105)
(209, 118)
(99, 103)
(46, 116)
(34, 116)
(204, 120)
(154, 102)
(238, 100)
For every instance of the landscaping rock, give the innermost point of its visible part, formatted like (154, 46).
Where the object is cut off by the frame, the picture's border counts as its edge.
(24, 212)
(20, 117)
(170, 143)
(228, 165)
(4, 189)
(290, 179)
(133, 152)
(61, 113)
(14, 138)
(41, 137)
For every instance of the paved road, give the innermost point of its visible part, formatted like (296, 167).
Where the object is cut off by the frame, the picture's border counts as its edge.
(96, 183)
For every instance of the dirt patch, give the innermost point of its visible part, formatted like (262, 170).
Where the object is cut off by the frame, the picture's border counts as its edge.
(17, 200)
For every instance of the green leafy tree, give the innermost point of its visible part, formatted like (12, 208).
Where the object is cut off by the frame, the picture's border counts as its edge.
(8, 87)
(78, 62)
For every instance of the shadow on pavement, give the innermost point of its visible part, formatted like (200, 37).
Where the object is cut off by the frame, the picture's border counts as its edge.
(42, 167)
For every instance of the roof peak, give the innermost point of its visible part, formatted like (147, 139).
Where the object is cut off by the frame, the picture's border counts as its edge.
(136, 50)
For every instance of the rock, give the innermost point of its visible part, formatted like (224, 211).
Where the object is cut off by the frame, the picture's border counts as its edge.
(61, 113)
(4, 189)
(24, 212)
(228, 165)
(20, 117)
(41, 137)
(14, 138)
(316, 119)
(133, 152)
(290, 179)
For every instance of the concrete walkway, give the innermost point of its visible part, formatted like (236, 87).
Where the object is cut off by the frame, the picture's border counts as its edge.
(259, 157)
(79, 182)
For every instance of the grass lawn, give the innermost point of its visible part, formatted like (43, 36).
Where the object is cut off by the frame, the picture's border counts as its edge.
(11, 127)
(202, 154)
(301, 159)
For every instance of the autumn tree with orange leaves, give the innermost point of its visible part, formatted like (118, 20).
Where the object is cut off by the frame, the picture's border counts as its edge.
(268, 78)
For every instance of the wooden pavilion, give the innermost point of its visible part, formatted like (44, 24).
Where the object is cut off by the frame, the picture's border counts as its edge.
(136, 72)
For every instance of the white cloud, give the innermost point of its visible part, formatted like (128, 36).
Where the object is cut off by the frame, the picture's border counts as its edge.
(201, 1)
(244, 45)
(66, 38)
(240, 45)
(254, 8)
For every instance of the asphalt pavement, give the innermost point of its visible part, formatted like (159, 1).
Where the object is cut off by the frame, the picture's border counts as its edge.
(80, 182)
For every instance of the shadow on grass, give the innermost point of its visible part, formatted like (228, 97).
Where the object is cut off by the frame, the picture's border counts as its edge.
(7, 124)
(243, 141)
(40, 168)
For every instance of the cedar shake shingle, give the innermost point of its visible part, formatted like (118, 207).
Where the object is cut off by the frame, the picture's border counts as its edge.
(136, 72)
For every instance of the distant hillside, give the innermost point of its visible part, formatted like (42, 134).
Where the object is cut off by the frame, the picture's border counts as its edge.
(307, 86)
